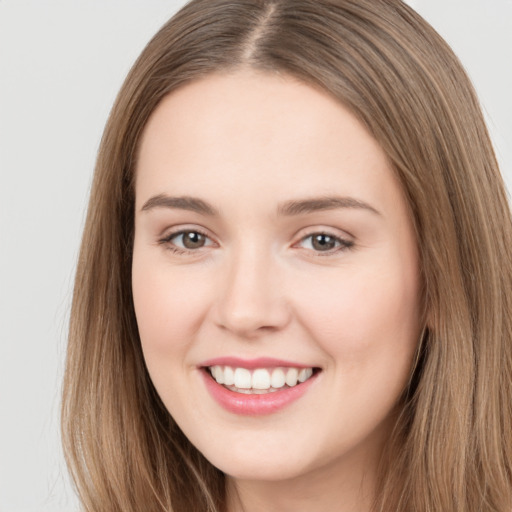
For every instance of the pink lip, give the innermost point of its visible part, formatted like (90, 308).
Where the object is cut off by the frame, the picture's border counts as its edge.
(260, 362)
(254, 405)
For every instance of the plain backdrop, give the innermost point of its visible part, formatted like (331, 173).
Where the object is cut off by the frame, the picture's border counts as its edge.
(61, 65)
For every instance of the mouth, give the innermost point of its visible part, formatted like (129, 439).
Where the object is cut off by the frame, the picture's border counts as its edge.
(258, 381)
(257, 387)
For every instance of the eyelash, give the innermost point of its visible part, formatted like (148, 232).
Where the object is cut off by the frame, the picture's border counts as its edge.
(167, 241)
(343, 244)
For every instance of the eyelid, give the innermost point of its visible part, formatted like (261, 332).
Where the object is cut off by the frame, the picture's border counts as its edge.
(166, 239)
(344, 242)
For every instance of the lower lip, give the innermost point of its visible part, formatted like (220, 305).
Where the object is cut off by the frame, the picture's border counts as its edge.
(255, 405)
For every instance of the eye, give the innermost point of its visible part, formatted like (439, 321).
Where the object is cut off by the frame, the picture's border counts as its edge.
(186, 241)
(325, 243)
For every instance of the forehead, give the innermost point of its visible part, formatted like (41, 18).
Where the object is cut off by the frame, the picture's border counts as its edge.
(250, 134)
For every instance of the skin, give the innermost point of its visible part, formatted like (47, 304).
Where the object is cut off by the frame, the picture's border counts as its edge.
(246, 142)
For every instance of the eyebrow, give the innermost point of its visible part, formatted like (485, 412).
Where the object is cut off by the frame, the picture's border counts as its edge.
(303, 206)
(192, 204)
(289, 208)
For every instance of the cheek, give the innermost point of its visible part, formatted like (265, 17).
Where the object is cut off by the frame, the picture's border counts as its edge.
(364, 313)
(169, 306)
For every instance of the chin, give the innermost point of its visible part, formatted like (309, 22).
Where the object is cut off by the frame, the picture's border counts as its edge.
(256, 464)
(267, 471)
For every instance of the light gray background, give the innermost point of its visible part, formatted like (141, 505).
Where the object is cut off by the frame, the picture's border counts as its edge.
(61, 65)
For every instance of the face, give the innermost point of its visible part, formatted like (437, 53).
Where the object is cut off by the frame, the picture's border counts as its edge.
(275, 276)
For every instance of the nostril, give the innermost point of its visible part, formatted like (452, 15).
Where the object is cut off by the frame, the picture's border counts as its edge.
(252, 320)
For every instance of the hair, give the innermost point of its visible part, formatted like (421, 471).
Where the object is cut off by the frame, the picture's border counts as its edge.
(451, 449)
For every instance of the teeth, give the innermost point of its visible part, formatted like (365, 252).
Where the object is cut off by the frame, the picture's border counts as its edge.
(260, 379)
(229, 376)
(304, 374)
(291, 376)
(218, 374)
(278, 379)
(242, 378)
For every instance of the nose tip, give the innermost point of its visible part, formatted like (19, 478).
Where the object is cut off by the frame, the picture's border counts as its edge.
(249, 323)
(252, 301)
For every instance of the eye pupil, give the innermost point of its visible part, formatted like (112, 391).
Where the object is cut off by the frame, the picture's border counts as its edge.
(323, 242)
(193, 240)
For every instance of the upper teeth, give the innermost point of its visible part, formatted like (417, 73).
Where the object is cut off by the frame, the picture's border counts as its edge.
(259, 378)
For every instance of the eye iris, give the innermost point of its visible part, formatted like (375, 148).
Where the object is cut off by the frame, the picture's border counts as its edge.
(323, 242)
(193, 240)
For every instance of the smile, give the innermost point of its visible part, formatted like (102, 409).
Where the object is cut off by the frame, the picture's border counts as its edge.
(256, 387)
(259, 380)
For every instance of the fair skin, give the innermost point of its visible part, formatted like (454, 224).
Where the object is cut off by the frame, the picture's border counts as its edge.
(331, 286)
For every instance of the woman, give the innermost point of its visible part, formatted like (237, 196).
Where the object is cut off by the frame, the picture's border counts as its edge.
(293, 289)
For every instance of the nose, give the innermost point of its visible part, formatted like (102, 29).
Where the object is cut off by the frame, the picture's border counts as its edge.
(252, 299)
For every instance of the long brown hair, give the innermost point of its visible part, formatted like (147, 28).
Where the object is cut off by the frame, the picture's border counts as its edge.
(452, 446)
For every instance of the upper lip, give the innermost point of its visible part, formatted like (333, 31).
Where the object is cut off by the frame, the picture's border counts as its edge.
(260, 362)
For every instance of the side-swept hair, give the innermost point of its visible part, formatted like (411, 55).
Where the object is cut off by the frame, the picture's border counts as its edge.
(452, 447)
